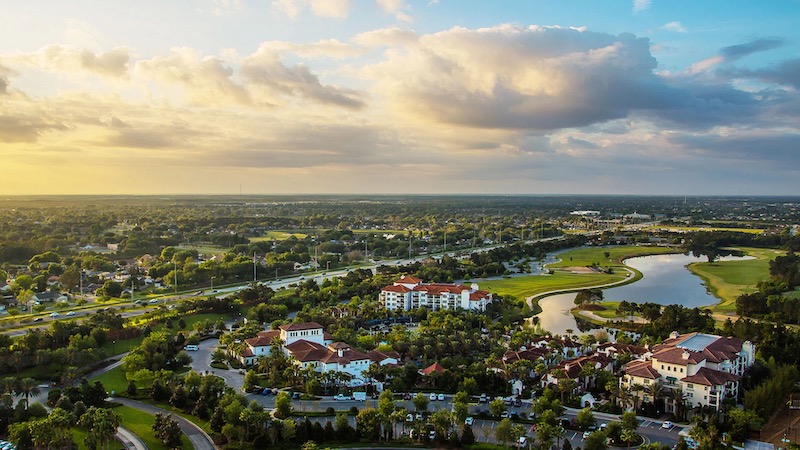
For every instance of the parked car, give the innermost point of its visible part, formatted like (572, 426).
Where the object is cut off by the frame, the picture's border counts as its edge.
(341, 397)
(523, 441)
(667, 425)
(296, 396)
(483, 398)
(505, 415)
(469, 421)
(432, 397)
(586, 434)
(266, 391)
(517, 402)
(440, 397)
(409, 417)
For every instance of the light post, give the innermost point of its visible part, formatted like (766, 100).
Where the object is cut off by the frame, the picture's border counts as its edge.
(114, 346)
(212, 284)
(175, 269)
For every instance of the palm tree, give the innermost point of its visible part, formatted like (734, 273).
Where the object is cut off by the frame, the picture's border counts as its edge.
(636, 389)
(27, 388)
(678, 402)
(656, 390)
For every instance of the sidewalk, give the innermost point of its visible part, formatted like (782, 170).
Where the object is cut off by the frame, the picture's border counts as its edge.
(130, 440)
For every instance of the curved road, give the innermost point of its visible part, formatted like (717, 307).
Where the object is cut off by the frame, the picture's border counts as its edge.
(199, 439)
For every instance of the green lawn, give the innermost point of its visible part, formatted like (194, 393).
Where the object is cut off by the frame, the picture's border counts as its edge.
(206, 249)
(523, 287)
(610, 311)
(141, 423)
(693, 229)
(113, 380)
(586, 256)
(278, 236)
(727, 280)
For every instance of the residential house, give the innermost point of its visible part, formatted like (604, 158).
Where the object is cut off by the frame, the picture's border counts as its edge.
(705, 367)
(50, 296)
(576, 369)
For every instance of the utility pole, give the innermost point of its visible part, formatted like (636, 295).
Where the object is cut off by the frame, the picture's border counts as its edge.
(175, 266)
(254, 267)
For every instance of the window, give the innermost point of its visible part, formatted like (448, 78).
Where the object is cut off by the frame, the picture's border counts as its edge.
(681, 369)
(689, 386)
(662, 367)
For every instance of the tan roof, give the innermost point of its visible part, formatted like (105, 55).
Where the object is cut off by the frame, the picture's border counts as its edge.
(307, 351)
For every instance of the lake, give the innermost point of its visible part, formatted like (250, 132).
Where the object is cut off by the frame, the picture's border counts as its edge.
(666, 281)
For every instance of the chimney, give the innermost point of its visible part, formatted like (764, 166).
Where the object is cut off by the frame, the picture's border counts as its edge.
(685, 355)
(340, 352)
(474, 287)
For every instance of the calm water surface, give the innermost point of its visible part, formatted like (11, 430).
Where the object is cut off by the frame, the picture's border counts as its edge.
(666, 281)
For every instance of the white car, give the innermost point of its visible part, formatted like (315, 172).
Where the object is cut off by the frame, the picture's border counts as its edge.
(440, 397)
(432, 397)
(667, 425)
(469, 421)
(523, 441)
(54, 314)
(71, 313)
(586, 434)
(341, 397)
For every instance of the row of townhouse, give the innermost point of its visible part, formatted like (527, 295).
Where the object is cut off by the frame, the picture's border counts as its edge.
(705, 367)
(310, 346)
(410, 292)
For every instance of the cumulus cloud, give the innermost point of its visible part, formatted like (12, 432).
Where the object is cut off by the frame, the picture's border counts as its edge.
(113, 63)
(205, 80)
(674, 26)
(396, 8)
(330, 48)
(338, 9)
(393, 37)
(330, 8)
(5, 79)
(24, 127)
(541, 78)
(264, 69)
(640, 5)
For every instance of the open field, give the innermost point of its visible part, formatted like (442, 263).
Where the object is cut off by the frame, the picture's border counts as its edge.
(205, 249)
(679, 229)
(141, 423)
(278, 236)
(113, 380)
(524, 287)
(727, 280)
(586, 256)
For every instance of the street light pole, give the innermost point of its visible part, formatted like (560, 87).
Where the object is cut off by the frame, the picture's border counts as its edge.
(175, 269)
(212, 283)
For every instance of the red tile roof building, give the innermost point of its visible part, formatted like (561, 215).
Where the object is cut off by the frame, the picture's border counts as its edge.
(410, 292)
(310, 346)
(706, 367)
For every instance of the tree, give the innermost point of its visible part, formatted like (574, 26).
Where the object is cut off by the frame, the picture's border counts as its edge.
(28, 387)
(102, 424)
(368, 424)
(497, 407)
(584, 419)
(166, 429)
(629, 421)
(283, 405)
(595, 441)
(467, 436)
(420, 402)
(502, 431)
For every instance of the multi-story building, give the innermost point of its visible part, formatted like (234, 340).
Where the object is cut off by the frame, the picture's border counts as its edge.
(705, 367)
(410, 292)
(308, 345)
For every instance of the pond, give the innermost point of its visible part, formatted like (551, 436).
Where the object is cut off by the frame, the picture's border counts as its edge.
(666, 281)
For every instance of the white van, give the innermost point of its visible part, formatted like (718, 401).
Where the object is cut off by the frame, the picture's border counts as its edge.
(191, 348)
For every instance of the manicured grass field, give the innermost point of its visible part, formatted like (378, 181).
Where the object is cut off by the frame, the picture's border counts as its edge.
(206, 249)
(586, 256)
(727, 280)
(277, 236)
(524, 287)
(693, 229)
(113, 380)
(610, 311)
(141, 423)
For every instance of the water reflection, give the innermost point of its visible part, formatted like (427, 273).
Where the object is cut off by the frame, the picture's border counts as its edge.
(666, 281)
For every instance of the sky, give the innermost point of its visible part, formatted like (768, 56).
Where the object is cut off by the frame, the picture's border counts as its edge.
(669, 97)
